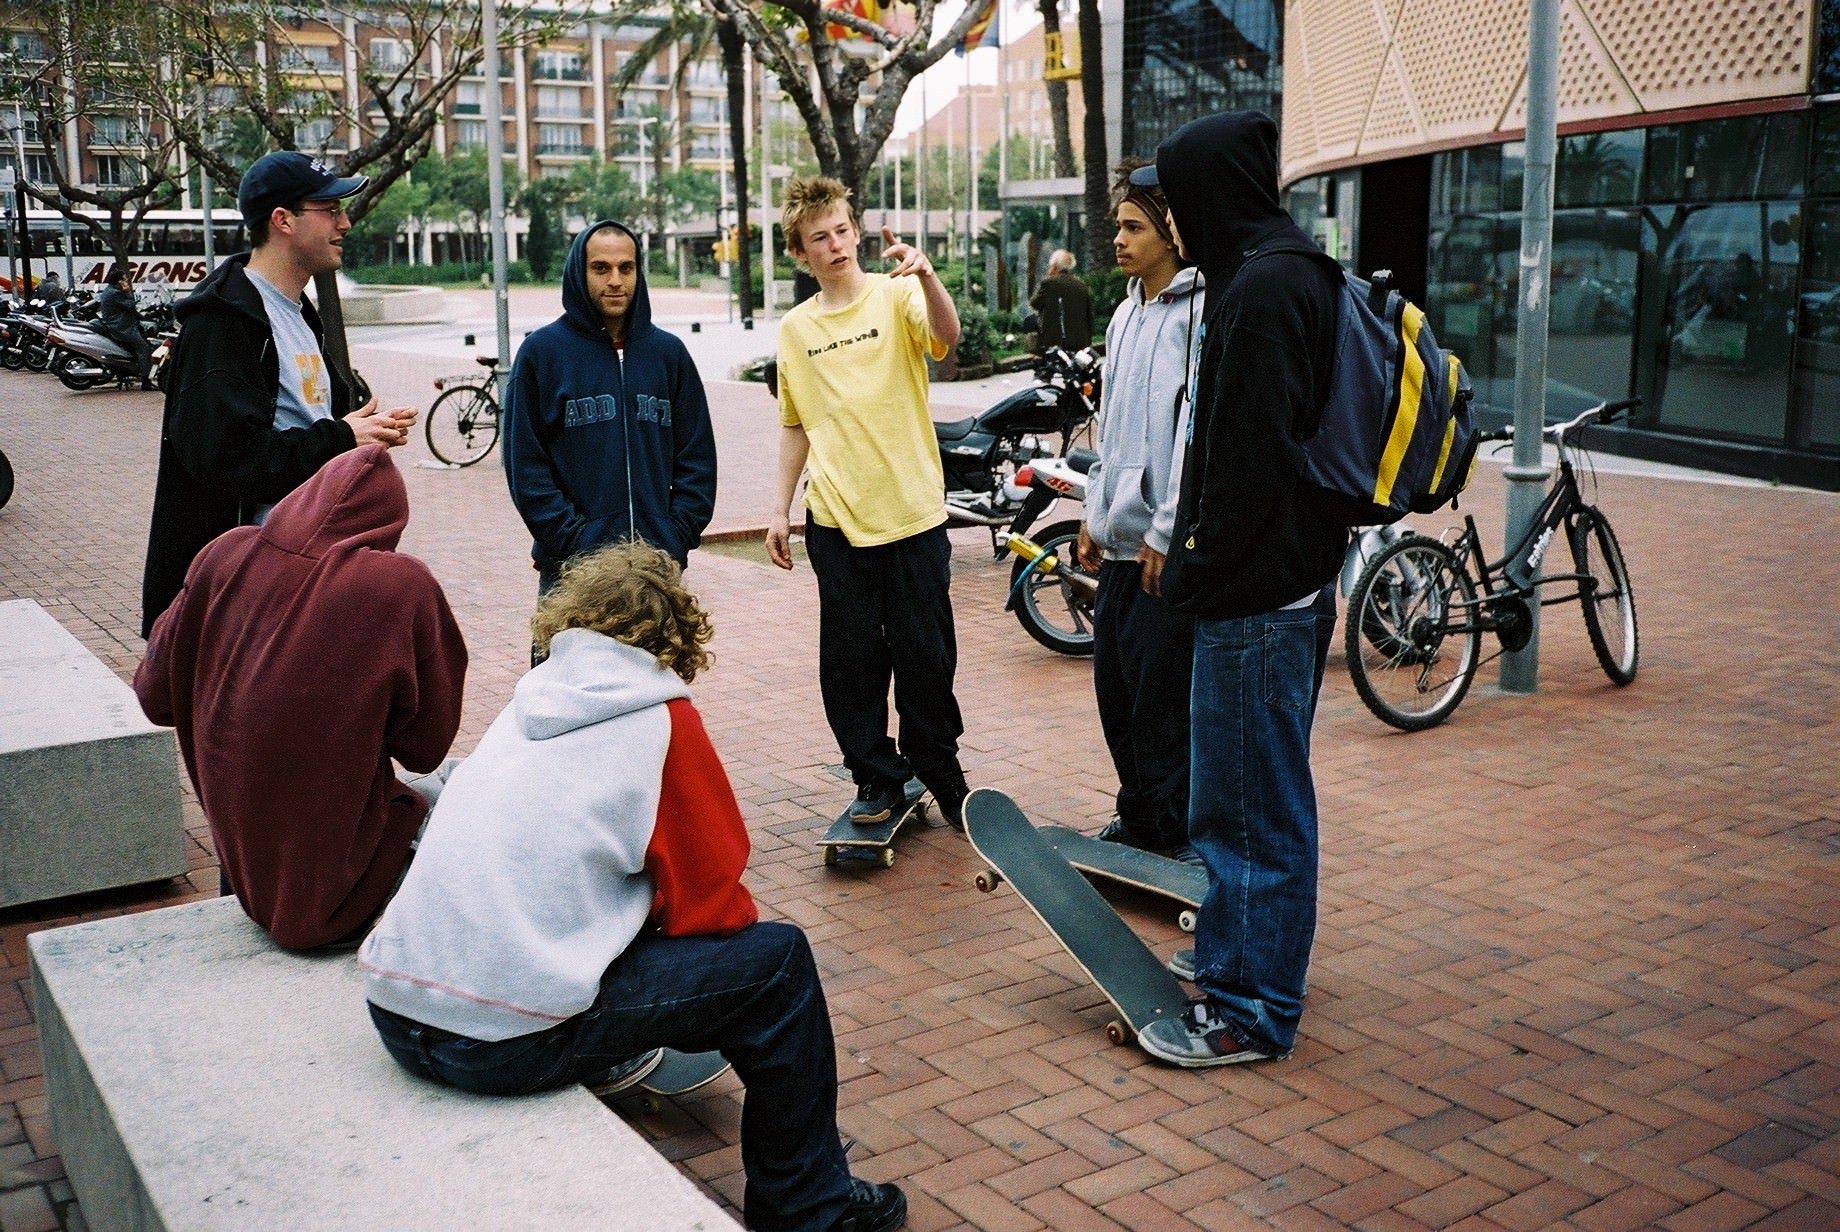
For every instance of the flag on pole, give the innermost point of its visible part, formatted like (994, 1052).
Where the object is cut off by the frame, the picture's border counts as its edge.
(983, 31)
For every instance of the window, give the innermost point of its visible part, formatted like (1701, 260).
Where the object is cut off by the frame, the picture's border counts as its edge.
(1827, 48)
(472, 135)
(469, 98)
(1815, 396)
(38, 169)
(30, 45)
(1184, 59)
(1599, 169)
(1826, 178)
(314, 135)
(312, 58)
(117, 171)
(560, 139)
(1744, 157)
(1467, 181)
(113, 130)
(560, 66)
(388, 54)
(560, 102)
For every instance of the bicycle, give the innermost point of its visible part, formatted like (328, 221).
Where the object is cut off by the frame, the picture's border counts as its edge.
(463, 422)
(1416, 616)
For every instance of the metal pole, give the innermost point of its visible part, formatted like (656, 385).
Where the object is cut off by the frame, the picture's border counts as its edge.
(970, 174)
(204, 192)
(495, 182)
(768, 291)
(1520, 670)
(920, 169)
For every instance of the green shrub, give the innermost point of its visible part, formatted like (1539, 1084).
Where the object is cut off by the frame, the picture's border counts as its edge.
(1108, 288)
(976, 339)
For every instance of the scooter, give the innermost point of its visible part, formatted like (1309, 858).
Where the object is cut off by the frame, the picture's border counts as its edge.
(87, 357)
(1050, 592)
(982, 455)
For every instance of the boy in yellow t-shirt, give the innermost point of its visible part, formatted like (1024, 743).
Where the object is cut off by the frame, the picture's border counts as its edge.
(853, 414)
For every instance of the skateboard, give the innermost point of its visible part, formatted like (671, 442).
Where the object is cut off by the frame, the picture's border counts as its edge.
(679, 1074)
(1143, 870)
(873, 843)
(1118, 963)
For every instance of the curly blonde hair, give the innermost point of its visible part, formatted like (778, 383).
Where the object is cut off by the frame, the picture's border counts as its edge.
(808, 196)
(635, 594)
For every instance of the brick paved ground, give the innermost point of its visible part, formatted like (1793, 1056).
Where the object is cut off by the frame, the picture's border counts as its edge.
(1577, 961)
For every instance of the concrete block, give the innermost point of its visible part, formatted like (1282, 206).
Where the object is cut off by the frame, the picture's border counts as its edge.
(200, 1078)
(89, 789)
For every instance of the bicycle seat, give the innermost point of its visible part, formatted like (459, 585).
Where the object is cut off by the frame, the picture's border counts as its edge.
(486, 361)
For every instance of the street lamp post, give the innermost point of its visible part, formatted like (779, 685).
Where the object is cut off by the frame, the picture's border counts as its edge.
(495, 187)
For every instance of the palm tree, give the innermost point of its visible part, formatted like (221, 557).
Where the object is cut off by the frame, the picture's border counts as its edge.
(1057, 98)
(692, 28)
(1092, 92)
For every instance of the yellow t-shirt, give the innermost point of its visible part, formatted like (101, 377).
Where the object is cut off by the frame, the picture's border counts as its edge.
(855, 380)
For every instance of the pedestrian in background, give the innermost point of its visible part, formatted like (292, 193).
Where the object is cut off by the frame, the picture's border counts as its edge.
(1064, 305)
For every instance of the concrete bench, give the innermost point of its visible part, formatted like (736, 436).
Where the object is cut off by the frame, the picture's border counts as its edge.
(200, 1078)
(89, 789)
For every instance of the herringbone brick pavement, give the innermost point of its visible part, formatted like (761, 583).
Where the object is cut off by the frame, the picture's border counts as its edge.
(1579, 953)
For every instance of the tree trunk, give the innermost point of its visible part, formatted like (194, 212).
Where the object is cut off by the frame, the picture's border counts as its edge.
(734, 75)
(1092, 93)
(332, 320)
(1057, 101)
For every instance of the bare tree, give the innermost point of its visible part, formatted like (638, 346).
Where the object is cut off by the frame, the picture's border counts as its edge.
(96, 63)
(258, 61)
(847, 101)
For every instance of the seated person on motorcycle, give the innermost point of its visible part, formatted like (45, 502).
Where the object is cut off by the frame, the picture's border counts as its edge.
(1143, 651)
(119, 318)
(50, 289)
(560, 926)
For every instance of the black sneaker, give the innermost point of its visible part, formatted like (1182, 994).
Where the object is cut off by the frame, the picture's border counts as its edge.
(875, 802)
(872, 1208)
(1117, 830)
(1182, 965)
(951, 802)
(1198, 1039)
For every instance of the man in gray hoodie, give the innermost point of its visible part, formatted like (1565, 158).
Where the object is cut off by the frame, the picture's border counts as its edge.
(1143, 651)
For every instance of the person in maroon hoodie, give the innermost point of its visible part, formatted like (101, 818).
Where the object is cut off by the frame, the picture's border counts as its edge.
(299, 658)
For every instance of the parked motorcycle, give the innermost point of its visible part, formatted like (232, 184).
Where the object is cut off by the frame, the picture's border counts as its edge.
(87, 357)
(982, 454)
(26, 344)
(1050, 592)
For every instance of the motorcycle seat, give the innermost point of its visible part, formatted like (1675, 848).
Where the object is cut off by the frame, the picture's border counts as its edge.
(1082, 460)
(957, 430)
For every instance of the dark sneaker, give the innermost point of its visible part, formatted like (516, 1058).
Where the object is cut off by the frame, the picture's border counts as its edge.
(875, 802)
(1182, 965)
(626, 1075)
(1197, 1039)
(1182, 853)
(1117, 831)
(872, 1208)
(951, 804)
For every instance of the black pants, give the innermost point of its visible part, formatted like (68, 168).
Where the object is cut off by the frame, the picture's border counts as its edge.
(885, 612)
(1143, 659)
(142, 350)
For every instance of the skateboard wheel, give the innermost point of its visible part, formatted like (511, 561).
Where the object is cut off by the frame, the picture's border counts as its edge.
(830, 857)
(652, 1104)
(1115, 1032)
(1186, 921)
(887, 857)
(988, 880)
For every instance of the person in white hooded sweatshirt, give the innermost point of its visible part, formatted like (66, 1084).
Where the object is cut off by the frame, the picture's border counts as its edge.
(576, 902)
(1143, 651)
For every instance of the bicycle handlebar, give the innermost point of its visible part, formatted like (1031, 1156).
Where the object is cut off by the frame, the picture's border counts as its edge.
(1603, 412)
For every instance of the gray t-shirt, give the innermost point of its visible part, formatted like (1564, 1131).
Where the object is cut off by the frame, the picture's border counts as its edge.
(305, 396)
(306, 385)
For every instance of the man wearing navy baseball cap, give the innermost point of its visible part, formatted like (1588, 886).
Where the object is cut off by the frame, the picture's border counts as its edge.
(252, 407)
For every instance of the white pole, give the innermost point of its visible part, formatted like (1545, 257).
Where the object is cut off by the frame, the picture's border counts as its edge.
(495, 181)
(767, 289)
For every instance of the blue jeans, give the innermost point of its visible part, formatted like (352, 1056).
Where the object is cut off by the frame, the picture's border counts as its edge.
(754, 997)
(1252, 814)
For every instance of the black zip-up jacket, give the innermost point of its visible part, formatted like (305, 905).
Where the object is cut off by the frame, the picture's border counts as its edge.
(221, 457)
(1248, 537)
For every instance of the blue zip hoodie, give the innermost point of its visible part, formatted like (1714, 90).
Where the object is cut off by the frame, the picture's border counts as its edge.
(605, 443)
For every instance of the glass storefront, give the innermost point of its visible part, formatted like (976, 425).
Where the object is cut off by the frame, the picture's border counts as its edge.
(1188, 58)
(1696, 266)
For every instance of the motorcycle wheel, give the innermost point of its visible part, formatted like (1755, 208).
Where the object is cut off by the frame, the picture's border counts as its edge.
(38, 356)
(12, 358)
(1055, 613)
(69, 367)
(6, 481)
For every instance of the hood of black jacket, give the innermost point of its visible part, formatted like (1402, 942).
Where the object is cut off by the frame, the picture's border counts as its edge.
(578, 307)
(1220, 177)
(229, 288)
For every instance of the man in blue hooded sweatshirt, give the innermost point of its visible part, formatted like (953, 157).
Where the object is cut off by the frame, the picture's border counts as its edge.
(607, 434)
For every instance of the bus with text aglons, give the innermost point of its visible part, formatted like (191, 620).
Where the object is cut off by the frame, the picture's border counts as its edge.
(169, 248)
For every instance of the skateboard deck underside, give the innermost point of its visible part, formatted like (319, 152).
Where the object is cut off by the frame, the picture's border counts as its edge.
(1119, 964)
(682, 1072)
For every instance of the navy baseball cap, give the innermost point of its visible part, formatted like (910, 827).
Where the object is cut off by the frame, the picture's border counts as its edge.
(287, 176)
(1145, 176)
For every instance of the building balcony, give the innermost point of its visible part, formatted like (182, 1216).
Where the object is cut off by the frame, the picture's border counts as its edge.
(563, 149)
(469, 109)
(560, 74)
(567, 117)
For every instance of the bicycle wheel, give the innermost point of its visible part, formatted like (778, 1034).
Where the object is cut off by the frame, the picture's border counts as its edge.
(463, 425)
(1412, 644)
(1055, 612)
(1609, 603)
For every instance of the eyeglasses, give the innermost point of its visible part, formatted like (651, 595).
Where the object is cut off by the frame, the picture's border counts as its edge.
(338, 211)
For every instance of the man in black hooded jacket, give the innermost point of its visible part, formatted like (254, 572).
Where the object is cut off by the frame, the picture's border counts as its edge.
(1251, 558)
